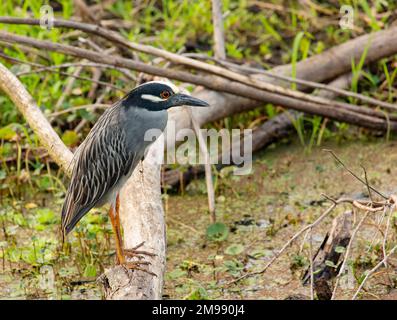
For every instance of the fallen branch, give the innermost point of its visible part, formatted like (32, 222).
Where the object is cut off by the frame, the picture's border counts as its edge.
(339, 53)
(344, 114)
(338, 237)
(254, 72)
(35, 118)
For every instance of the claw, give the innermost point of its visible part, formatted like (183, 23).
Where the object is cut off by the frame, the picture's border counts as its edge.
(136, 253)
(138, 246)
(136, 266)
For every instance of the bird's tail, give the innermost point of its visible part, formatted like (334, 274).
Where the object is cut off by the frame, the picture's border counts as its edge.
(71, 215)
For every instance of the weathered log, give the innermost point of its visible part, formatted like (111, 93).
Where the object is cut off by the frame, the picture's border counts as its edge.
(326, 260)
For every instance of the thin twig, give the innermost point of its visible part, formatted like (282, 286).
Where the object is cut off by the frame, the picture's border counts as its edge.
(372, 271)
(367, 184)
(303, 82)
(73, 109)
(347, 253)
(291, 240)
(207, 165)
(353, 174)
(364, 207)
(68, 87)
(51, 69)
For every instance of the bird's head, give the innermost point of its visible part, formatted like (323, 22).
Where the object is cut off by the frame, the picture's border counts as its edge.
(158, 95)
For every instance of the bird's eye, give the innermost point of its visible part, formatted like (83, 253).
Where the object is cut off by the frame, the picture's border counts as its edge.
(165, 94)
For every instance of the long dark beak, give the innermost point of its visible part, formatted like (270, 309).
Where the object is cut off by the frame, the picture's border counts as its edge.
(186, 100)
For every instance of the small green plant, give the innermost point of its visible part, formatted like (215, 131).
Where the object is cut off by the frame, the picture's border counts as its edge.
(234, 249)
(217, 232)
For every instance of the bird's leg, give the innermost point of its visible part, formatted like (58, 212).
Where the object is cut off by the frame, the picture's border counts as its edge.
(118, 225)
(119, 247)
(136, 265)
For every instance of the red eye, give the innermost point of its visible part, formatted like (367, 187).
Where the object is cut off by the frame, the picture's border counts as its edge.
(165, 95)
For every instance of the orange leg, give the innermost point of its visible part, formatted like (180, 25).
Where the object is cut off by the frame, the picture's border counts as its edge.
(113, 214)
(120, 251)
(118, 222)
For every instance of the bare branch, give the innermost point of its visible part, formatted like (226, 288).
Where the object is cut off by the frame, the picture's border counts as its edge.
(304, 83)
(37, 121)
(219, 37)
(345, 114)
(373, 270)
(353, 174)
(216, 70)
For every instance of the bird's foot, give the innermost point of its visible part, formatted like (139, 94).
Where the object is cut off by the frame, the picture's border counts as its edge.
(135, 253)
(137, 264)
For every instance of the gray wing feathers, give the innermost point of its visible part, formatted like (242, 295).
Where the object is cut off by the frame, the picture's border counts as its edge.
(106, 158)
(100, 162)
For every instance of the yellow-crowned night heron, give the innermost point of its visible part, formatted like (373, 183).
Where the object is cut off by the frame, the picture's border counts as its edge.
(112, 150)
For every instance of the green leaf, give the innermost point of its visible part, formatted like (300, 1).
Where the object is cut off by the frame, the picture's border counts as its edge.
(175, 274)
(6, 133)
(70, 138)
(46, 216)
(44, 182)
(233, 267)
(259, 253)
(329, 263)
(90, 271)
(198, 294)
(234, 249)
(340, 249)
(217, 232)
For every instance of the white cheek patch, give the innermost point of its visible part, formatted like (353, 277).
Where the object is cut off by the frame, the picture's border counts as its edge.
(151, 97)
